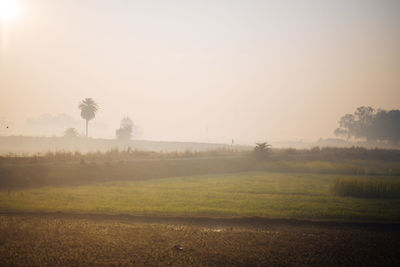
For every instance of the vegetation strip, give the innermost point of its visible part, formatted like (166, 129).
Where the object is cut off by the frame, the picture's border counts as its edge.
(249, 222)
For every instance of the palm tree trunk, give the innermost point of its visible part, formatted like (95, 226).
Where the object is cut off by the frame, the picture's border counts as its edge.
(87, 122)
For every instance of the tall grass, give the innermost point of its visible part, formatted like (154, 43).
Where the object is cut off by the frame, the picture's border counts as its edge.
(366, 187)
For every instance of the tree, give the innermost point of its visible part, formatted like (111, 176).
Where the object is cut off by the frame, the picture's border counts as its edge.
(262, 150)
(386, 126)
(124, 133)
(71, 133)
(371, 125)
(88, 109)
(346, 124)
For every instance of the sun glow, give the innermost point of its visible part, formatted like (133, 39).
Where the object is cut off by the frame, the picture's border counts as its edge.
(8, 9)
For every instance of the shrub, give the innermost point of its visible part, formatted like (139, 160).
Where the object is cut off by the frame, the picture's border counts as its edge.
(262, 150)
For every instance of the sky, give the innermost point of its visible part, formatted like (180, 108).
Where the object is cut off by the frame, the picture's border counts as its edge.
(205, 71)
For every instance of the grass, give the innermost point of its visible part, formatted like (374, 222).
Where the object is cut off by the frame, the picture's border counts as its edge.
(23, 175)
(277, 195)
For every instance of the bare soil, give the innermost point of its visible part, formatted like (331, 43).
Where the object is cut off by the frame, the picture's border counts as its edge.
(60, 239)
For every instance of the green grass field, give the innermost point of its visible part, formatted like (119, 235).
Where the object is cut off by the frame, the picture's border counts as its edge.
(275, 195)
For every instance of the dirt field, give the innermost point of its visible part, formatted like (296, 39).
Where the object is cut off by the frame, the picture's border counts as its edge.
(70, 240)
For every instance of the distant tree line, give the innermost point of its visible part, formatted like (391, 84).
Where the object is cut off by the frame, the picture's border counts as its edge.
(371, 125)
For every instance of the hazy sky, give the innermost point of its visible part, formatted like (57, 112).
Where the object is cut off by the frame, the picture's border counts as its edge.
(248, 70)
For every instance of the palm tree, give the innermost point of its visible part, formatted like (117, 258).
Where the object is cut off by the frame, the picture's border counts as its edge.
(88, 110)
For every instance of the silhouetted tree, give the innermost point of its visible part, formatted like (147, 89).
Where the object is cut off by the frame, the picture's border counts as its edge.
(262, 150)
(71, 133)
(124, 133)
(371, 125)
(386, 126)
(88, 111)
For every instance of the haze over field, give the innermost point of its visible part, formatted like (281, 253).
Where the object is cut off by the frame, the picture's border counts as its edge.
(197, 70)
(199, 133)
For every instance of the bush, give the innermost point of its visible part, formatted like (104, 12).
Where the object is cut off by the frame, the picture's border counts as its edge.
(262, 150)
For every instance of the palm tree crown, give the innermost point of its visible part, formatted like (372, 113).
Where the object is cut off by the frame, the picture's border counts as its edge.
(88, 109)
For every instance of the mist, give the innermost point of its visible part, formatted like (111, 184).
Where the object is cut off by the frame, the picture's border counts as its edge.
(199, 133)
(198, 71)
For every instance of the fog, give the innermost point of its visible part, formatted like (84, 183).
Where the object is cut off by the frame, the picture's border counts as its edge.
(202, 71)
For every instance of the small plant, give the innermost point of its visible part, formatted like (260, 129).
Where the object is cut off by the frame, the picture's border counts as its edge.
(71, 133)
